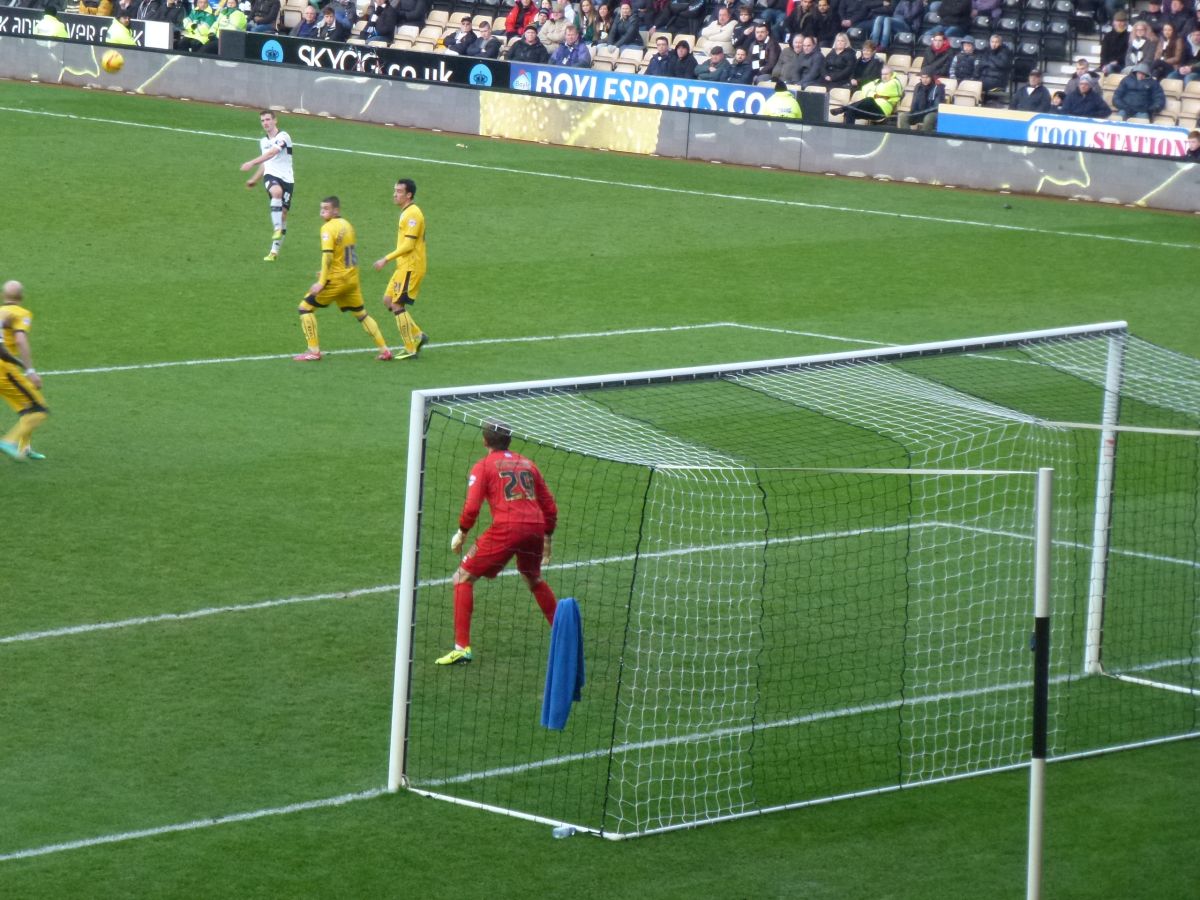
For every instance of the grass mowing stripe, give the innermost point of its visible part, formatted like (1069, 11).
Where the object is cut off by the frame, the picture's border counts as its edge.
(340, 800)
(707, 195)
(67, 631)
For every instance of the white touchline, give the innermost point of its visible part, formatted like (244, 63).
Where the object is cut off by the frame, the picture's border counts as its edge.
(232, 818)
(1090, 237)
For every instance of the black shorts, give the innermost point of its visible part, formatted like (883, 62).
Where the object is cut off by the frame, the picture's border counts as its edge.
(287, 186)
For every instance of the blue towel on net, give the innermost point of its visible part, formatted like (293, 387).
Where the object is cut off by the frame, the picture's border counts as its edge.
(564, 668)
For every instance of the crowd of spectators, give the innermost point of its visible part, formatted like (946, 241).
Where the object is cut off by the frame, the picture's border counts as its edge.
(800, 43)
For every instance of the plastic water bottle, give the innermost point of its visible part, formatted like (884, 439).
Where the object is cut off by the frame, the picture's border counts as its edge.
(563, 831)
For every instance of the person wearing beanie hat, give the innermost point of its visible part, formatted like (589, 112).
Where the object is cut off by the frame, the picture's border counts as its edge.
(119, 30)
(49, 25)
(965, 65)
(1139, 95)
(1115, 44)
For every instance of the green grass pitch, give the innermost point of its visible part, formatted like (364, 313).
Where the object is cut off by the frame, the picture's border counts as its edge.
(231, 477)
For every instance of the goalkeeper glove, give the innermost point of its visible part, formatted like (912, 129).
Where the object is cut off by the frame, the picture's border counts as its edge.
(456, 542)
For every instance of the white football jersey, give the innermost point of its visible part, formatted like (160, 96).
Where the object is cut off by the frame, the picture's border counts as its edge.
(280, 165)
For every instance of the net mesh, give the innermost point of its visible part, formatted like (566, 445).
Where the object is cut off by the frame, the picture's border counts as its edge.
(761, 631)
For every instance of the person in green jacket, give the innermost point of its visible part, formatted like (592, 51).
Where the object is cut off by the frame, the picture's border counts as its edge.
(879, 98)
(49, 25)
(782, 104)
(120, 32)
(198, 30)
(230, 18)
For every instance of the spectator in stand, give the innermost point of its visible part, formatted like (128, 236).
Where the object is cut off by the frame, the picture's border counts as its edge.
(1193, 150)
(938, 56)
(381, 23)
(687, 16)
(264, 16)
(993, 9)
(839, 63)
(129, 7)
(868, 67)
(1082, 67)
(346, 12)
(1086, 102)
(825, 24)
(1153, 17)
(1115, 44)
(94, 8)
(626, 31)
(965, 65)
(772, 12)
(486, 45)
(587, 22)
(763, 53)
(409, 12)
(739, 70)
(461, 40)
(928, 96)
(306, 27)
(658, 16)
(995, 66)
(1169, 55)
(148, 10)
(904, 16)
(799, 20)
(720, 30)
(1033, 96)
(743, 29)
(731, 7)
(684, 64)
(604, 24)
(878, 99)
(716, 67)
(813, 66)
(1056, 101)
(1190, 70)
(329, 28)
(795, 64)
(1139, 95)
(529, 49)
(522, 14)
(857, 14)
(553, 31)
(572, 51)
(1179, 16)
(955, 16)
(1143, 45)
(660, 62)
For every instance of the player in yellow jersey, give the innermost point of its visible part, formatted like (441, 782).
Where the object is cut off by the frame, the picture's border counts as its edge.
(20, 384)
(337, 282)
(409, 255)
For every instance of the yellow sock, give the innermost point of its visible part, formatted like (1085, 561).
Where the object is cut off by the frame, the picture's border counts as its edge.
(371, 327)
(408, 331)
(308, 322)
(26, 425)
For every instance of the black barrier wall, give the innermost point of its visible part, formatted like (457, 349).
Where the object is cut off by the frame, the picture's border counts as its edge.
(864, 152)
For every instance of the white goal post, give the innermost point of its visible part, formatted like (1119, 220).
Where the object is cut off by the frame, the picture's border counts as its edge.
(811, 578)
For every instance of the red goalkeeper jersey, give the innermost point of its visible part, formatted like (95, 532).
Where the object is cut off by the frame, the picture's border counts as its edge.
(515, 492)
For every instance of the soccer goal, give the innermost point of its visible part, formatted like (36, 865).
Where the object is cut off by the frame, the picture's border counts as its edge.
(813, 578)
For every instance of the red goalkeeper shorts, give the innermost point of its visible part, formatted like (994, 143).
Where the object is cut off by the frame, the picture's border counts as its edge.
(496, 546)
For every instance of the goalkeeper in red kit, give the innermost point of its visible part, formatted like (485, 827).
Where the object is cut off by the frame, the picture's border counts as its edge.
(523, 518)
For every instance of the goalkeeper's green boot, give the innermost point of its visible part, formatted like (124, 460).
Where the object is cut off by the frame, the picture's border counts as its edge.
(456, 657)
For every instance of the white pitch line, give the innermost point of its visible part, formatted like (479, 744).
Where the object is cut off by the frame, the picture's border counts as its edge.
(440, 345)
(195, 825)
(1090, 237)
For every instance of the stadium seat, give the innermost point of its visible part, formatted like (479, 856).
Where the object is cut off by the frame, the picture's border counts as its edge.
(1189, 112)
(608, 55)
(838, 97)
(900, 62)
(969, 93)
(1172, 87)
(905, 41)
(1191, 89)
(438, 17)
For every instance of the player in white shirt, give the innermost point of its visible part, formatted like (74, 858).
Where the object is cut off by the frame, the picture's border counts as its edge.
(275, 169)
